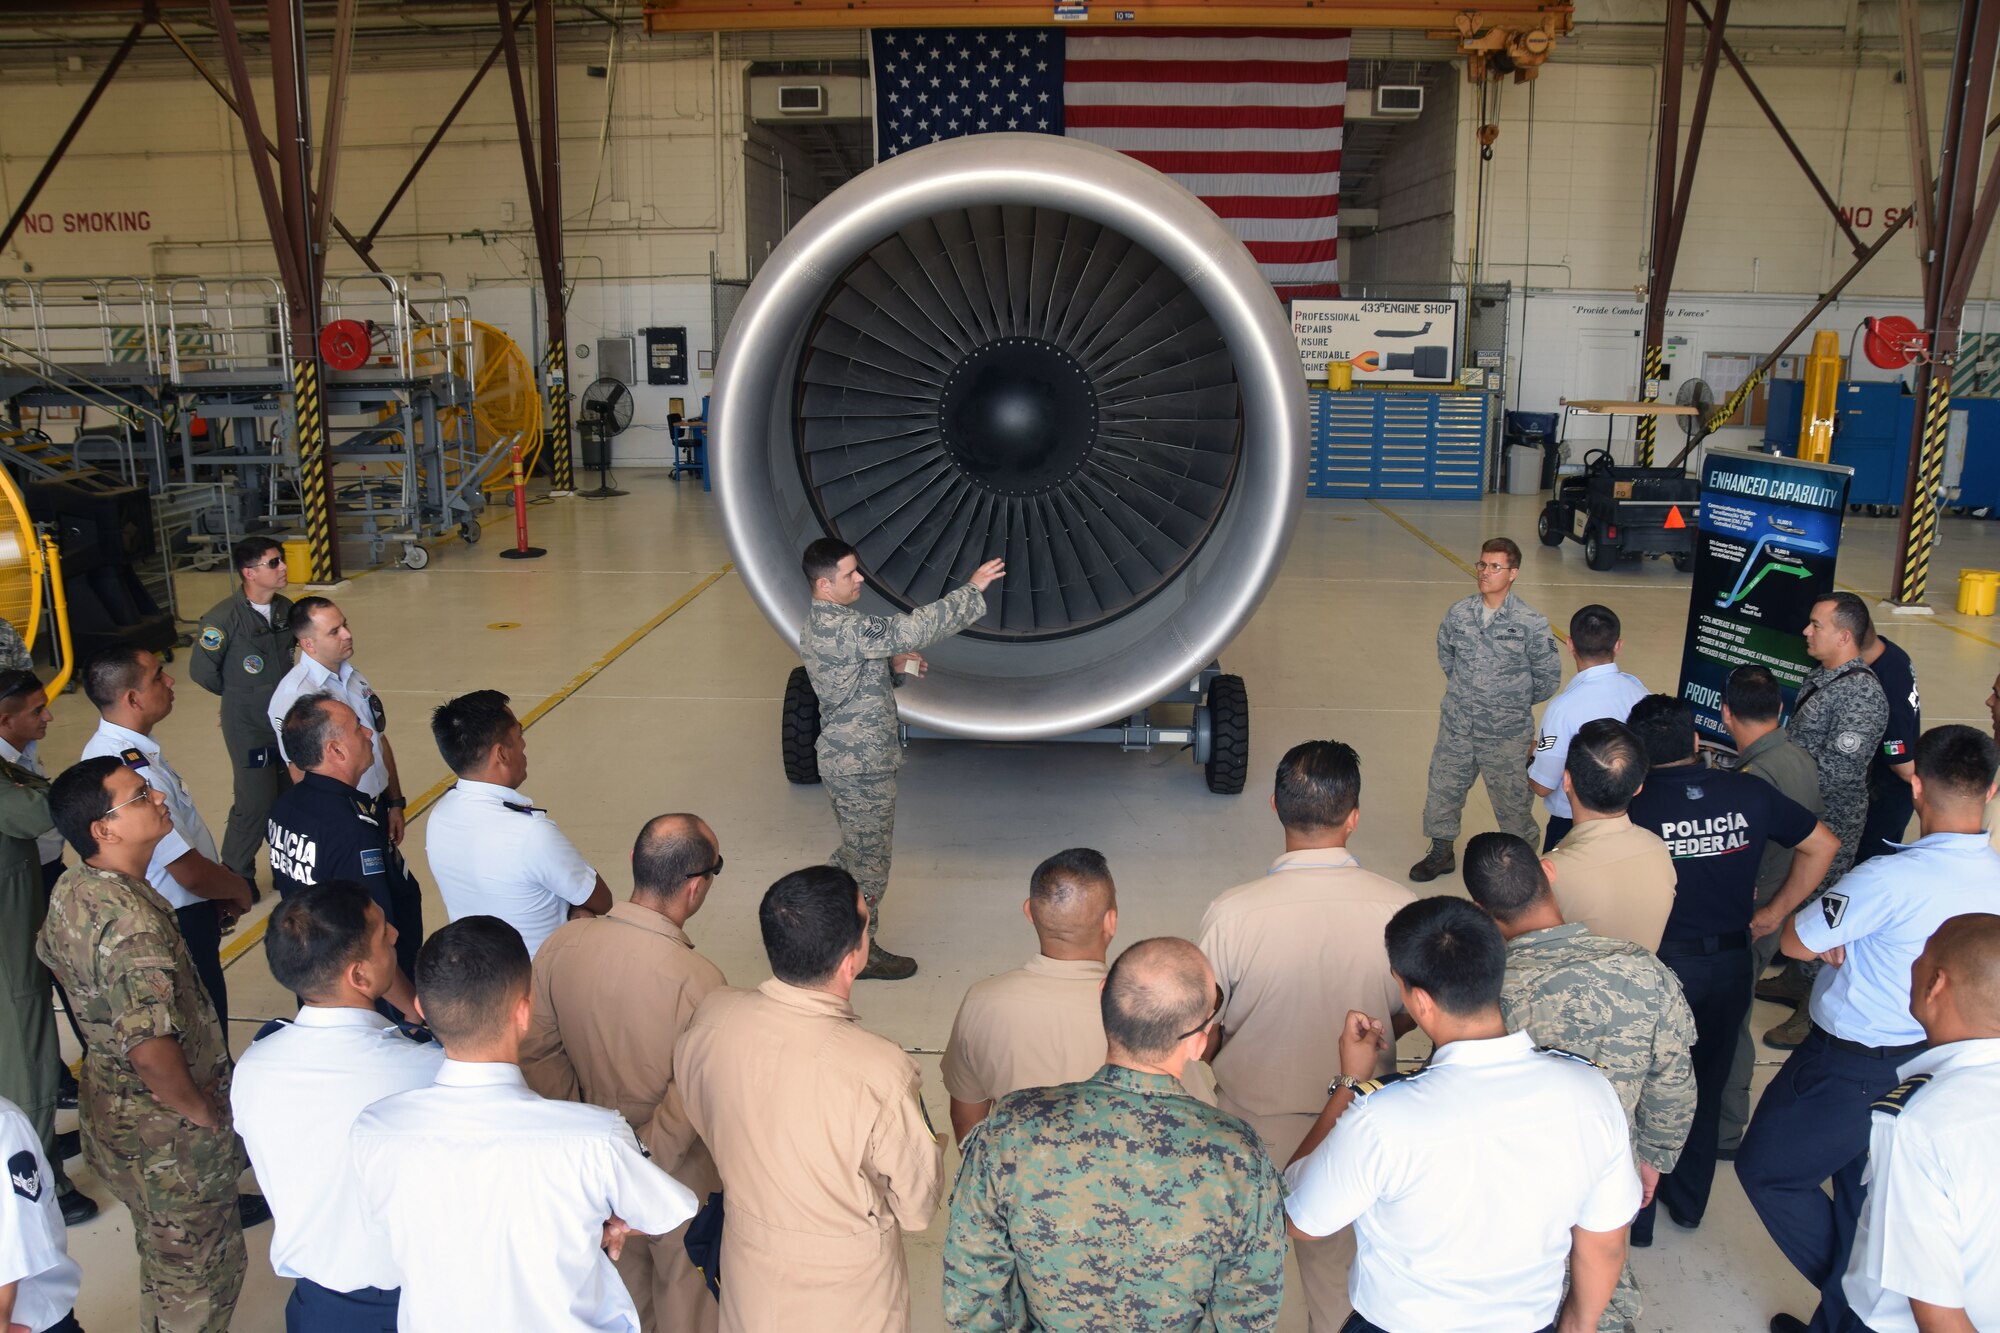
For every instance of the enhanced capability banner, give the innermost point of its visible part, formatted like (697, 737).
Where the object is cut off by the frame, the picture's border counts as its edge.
(1765, 548)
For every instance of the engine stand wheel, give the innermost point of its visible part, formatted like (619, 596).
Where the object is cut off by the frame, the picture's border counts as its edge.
(415, 556)
(470, 532)
(1229, 725)
(799, 729)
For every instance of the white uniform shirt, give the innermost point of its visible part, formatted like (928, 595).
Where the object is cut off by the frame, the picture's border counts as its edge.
(1930, 1230)
(492, 853)
(50, 845)
(351, 688)
(189, 833)
(1463, 1181)
(1593, 693)
(295, 1097)
(493, 1202)
(1883, 911)
(33, 1249)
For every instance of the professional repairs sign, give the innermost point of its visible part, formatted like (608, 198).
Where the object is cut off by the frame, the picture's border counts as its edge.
(1388, 342)
(1765, 547)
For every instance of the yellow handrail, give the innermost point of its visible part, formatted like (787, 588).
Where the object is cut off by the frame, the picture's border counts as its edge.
(52, 560)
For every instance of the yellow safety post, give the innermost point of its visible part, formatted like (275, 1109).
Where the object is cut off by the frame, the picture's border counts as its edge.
(1922, 519)
(1648, 429)
(1822, 398)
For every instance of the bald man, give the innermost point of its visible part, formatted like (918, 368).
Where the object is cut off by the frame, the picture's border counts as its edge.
(1926, 1254)
(1038, 1024)
(1048, 1229)
(612, 994)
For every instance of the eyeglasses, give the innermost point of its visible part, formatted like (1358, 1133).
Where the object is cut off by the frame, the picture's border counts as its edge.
(1491, 567)
(1203, 1026)
(144, 792)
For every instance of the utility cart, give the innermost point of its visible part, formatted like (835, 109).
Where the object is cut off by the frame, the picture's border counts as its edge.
(1618, 513)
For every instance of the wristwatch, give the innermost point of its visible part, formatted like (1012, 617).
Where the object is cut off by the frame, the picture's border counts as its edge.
(1347, 1081)
(395, 802)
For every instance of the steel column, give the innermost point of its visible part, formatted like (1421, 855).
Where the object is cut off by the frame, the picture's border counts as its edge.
(1962, 222)
(554, 278)
(1652, 366)
(75, 125)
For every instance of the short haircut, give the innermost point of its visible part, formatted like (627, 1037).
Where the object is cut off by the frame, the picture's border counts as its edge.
(670, 850)
(78, 798)
(1451, 951)
(109, 672)
(1502, 546)
(468, 976)
(468, 727)
(822, 558)
(1154, 996)
(810, 923)
(1318, 786)
(1665, 727)
(1967, 949)
(315, 933)
(302, 615)
(1504, 875)
(307, 726)
(1753, 694)
(1594, 631)
(1956, 762)
(1075, 882)
(252, 551)
(1606, 766)
(1851, 614)
(16, 688)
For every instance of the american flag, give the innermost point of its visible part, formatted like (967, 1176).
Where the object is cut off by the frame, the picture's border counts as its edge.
(1248, 119)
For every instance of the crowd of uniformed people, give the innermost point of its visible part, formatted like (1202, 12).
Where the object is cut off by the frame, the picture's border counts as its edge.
(553, 1113)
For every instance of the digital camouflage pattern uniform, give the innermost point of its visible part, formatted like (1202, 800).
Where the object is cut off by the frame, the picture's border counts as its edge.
(1496, 671)
(846, 654)
(114, 944)
(1119, 1204)
(1615, 1003)
(1838, 718)
(240, 657)
(30, 1058)
(13, 652)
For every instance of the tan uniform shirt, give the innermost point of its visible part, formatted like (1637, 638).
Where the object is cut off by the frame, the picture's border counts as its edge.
(1030, 1028)
(826, 1154)
(1616, 878)
(1293, 952)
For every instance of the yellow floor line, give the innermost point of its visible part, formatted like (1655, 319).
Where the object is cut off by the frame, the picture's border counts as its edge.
(1426, 539)
(254, 933)
(1932, 620)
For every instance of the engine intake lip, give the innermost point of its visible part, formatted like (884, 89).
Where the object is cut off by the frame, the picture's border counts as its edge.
(1014, 688)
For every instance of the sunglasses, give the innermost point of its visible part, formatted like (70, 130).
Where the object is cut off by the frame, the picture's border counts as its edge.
(275, 562)
(1203, 1026)
(711, 872)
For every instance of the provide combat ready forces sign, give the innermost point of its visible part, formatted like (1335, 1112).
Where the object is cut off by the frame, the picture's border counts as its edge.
(1764, 553)
(1392, 342)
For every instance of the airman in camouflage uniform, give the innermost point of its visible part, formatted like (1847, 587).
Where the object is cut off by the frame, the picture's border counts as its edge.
(852, 658)
(241, 654)
(1499, 661)
(115, 945)
(1838, 718)
(1119, 1203)
(1607, 1000)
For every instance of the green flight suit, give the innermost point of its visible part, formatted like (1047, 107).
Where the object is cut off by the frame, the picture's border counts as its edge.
(242, 657)
(30, 1054)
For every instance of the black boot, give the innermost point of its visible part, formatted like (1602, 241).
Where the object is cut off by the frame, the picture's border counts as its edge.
(1440, 860)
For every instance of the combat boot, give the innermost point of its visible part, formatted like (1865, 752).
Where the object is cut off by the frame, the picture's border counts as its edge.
(886, 966)
(1790, 1034)
(1440, 860)
(1791, 986)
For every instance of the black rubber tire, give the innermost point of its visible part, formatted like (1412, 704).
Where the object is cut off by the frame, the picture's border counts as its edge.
(1229, 725)
(470, 532)
(1597, 554)
(1546, 529)
(799, 731)
(1684, 561)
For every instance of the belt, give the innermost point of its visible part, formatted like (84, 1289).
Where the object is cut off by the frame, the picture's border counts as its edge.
(1704, 945)
(1872, 1052)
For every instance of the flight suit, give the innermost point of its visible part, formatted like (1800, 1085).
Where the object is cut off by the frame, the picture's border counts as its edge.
(240, 657)
(30, 1056)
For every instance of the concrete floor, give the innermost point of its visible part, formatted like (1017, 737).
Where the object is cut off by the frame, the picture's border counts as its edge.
(647, 699)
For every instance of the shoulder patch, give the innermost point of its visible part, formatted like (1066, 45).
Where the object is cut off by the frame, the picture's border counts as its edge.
(24, 1173)
(1545, 742)
(1833, 906)
(133, 758)
(211, 638)
(1848, 742)
(1569, 1055)
(1894, 1100)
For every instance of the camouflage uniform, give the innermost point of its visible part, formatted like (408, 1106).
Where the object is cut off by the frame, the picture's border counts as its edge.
(242, 657)
(1496, 671)
(1120, 1204)
(13, 652)
(1839, 718)
(1617, 1004)
(846, 654)
(114, 943)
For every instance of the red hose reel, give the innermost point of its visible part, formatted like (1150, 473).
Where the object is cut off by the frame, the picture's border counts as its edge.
(1892, 341)
(344, 344)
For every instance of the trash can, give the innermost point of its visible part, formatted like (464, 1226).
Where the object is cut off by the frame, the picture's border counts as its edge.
(298, 560)
(1524, 469)
(1978, 591)
(1340, 376)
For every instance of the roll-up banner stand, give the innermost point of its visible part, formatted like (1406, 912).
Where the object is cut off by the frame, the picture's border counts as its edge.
(1765, 548)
